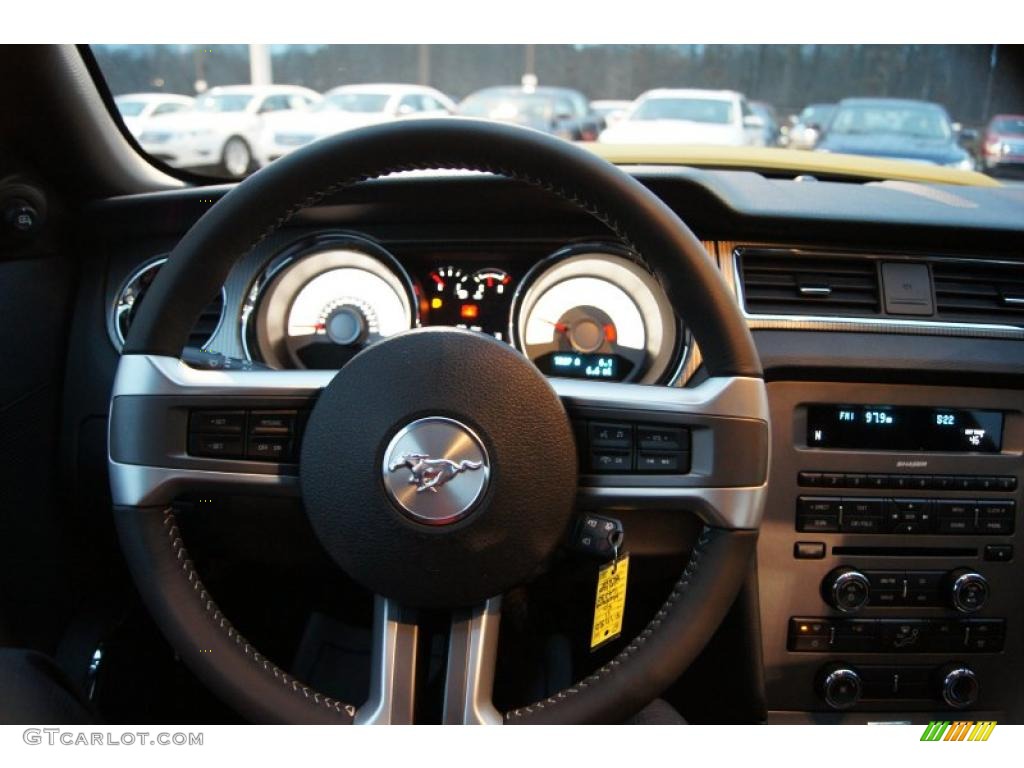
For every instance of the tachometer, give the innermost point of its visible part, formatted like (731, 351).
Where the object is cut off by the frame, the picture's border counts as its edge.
(596, 316)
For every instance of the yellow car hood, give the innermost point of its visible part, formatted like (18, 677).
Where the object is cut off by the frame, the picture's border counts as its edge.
(790, 161)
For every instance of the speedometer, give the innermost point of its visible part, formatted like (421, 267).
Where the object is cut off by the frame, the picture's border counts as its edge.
(596, 315)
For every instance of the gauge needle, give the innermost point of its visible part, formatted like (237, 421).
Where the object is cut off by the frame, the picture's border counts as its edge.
(560, 327)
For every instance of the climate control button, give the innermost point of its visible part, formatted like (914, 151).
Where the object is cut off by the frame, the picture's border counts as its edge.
(840, 686)
(959, 686)
(846, 589)
(968, 590)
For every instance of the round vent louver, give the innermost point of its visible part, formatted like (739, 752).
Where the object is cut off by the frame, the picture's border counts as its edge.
(134, 289)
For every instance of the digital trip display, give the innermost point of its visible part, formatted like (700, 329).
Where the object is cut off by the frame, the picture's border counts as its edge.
(584, 366)
(904, 428)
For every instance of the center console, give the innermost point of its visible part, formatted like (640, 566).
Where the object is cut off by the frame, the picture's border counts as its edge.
(888, 568)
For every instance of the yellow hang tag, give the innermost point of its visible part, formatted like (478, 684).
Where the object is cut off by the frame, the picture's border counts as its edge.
(610, 602)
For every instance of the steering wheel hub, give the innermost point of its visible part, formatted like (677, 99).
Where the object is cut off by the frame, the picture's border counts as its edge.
(438, 468)
(423, 458)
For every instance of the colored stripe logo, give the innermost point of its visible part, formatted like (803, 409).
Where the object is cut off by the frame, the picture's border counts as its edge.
(960, 730)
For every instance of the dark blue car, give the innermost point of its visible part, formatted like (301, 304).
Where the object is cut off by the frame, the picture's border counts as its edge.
(898, 128)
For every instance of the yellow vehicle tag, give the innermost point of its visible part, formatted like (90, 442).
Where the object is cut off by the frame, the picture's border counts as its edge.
(610, 602)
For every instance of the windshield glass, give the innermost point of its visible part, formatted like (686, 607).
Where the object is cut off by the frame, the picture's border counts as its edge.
(223, 102)
(353, 102)
(518, 107)
(693, 110)
(902, 106)
(1009, 125)
(916, 122)
(130, 108)
(818, 114)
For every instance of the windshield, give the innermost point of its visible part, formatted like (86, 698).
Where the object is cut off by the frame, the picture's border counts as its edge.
(353, 102)
(516, 107)
(913, 122)
(818, 114)
(692, 110)
(1008, 125)
(223, 102)
(623, 101)
(130, 108)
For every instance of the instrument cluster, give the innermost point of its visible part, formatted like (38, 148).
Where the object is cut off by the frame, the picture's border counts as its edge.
(592, 312)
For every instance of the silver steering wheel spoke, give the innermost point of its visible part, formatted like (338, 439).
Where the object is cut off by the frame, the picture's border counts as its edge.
(472, 660)
(718, 468)
(725, 420)
(393, 666)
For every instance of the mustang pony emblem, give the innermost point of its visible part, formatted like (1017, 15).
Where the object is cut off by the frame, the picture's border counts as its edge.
(429, 474)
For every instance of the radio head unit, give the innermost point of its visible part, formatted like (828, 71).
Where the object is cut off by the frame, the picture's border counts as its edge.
(904, 428)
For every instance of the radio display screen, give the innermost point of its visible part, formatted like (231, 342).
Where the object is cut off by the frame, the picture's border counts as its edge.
(904, 428)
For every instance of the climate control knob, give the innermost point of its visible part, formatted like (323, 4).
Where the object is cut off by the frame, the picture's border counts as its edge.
(959, 686)
(840, 686)
(846, 589)
(968, 590)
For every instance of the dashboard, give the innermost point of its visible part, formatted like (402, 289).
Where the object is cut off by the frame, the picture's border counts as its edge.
(889, 323)
(586, 310)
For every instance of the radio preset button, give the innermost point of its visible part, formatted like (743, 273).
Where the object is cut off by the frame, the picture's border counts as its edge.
(809, 479)
(832, 480)
(988, 484)
(965, 483)
(856, 480)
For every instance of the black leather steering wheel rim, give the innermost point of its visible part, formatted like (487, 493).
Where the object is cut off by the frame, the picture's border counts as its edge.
(263, 203)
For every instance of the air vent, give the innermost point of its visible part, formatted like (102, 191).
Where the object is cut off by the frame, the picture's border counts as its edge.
(207, 323)
(807, 284)
(129, 299)
(979, 292)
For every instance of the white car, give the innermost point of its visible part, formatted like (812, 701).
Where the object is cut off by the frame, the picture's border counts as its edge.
(351, 106)
(688, 116)
(137, 109)
(225, 127)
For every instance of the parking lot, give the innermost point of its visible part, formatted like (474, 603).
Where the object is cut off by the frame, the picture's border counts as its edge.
(230, 111)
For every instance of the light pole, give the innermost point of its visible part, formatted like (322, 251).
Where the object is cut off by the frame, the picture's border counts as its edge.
(260, 72)
(993, 61)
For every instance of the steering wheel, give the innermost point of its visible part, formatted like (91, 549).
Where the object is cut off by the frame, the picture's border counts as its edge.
(503, 502)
